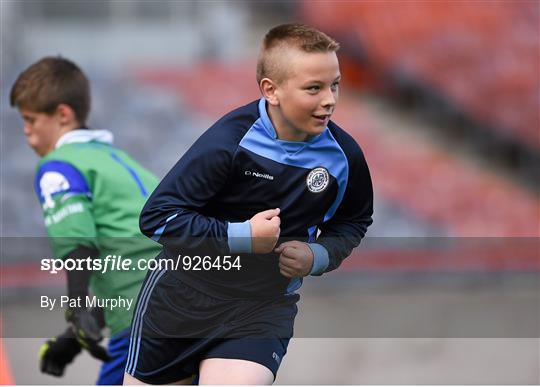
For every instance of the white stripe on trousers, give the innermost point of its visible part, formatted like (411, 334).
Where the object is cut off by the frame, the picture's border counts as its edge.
(137, 321)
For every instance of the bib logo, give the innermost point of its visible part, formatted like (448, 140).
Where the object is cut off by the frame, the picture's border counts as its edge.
(317, 180)
(50, 184)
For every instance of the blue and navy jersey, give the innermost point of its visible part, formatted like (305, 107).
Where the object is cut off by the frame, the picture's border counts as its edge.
(238, 168)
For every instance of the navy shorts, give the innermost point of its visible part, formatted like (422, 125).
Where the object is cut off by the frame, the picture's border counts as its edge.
(175, 327)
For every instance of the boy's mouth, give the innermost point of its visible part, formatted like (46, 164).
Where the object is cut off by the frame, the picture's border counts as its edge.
(321, 117)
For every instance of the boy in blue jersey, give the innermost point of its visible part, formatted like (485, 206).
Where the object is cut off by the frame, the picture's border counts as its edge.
(276, 190)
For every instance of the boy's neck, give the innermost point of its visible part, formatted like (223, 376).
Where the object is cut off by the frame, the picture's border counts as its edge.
(283, 130)
(61, 133)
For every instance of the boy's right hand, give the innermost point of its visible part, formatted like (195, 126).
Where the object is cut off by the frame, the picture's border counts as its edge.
(87, 332)
(265, 231)
(58, 352)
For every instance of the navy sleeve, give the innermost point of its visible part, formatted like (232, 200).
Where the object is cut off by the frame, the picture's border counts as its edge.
(347, 227)
(174, 213)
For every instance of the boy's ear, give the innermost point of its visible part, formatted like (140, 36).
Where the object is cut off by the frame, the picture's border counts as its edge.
(65, 114)
(268, 90)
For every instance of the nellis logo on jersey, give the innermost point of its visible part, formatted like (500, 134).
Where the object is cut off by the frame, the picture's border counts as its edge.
(317, 180)
(260, 175)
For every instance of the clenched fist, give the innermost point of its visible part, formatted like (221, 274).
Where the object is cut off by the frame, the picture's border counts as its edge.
(295, 259)
(265, 231)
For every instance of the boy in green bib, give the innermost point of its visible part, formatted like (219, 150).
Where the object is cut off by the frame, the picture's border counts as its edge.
(91, 194)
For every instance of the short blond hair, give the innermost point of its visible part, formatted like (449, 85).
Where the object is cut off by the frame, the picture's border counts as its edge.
(295, 35)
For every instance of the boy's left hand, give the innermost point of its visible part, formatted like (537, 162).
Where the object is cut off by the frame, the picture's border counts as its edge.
(295, 259)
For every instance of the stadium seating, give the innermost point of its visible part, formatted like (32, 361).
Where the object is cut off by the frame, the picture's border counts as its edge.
(482, 56)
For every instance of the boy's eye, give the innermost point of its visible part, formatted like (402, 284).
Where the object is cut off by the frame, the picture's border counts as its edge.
(335, 86)
(314, 88)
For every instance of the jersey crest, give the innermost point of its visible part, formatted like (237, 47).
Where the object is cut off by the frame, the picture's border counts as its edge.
(317, 180)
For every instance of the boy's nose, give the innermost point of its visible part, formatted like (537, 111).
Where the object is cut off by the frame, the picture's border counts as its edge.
(329, 100)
